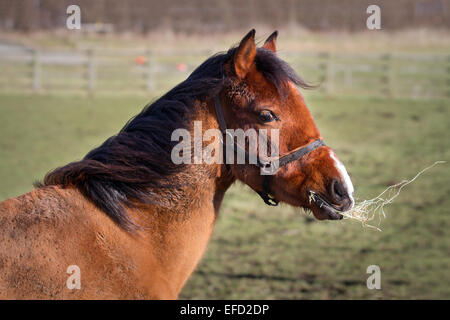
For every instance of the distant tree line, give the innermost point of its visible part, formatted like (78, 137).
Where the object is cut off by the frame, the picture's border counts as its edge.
(206, 16)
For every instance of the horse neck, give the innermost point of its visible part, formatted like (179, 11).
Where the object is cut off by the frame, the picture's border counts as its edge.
(178, 234)
(216, 177)
(200, 183)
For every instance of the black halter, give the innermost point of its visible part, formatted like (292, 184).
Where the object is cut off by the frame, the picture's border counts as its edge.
(266, 163)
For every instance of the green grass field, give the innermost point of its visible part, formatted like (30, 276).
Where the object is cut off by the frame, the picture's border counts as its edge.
(260, 252)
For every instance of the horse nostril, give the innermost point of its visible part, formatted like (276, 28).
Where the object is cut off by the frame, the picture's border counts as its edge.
(337, 189)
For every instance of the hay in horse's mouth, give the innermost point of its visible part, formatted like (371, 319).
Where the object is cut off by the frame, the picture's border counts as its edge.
(366, 210)
(333, 212)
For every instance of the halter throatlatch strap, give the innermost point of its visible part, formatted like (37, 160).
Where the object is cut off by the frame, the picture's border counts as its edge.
(265, 193)
(266, 163)
(219, 114)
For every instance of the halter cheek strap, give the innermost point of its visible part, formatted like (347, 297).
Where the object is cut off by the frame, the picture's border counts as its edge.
(266, 162)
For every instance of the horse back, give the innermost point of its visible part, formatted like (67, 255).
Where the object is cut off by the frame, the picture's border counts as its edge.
(45, 232)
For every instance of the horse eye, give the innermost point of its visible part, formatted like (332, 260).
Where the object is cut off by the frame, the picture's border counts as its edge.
(267, 116)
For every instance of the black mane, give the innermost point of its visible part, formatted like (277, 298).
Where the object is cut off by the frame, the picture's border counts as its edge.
(121, 172)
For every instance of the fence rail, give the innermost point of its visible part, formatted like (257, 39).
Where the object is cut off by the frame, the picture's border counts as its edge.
(388, 75)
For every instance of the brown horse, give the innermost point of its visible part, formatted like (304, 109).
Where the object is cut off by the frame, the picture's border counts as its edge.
(134, 223)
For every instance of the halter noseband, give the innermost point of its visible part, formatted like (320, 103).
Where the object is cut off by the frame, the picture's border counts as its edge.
(266, 163)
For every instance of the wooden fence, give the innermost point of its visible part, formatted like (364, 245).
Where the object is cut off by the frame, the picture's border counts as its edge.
(131, 71)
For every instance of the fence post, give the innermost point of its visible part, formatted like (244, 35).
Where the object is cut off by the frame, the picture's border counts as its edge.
(36, 62)
(91, 72)
(149, 73)
(327, 72)
(448, 76)
(386, 68)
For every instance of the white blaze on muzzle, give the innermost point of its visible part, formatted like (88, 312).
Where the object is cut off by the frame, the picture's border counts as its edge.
(344, 176)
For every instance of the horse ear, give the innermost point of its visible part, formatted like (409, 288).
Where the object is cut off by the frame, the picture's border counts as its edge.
(270, 43)
(245, 55)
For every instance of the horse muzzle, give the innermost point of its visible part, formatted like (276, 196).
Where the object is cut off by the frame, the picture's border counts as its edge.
(332, 205)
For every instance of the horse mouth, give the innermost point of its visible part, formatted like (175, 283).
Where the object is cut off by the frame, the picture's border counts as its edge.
(323, 208)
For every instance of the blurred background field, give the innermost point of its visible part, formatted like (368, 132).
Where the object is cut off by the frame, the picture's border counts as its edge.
(408, 64)
(382, 104)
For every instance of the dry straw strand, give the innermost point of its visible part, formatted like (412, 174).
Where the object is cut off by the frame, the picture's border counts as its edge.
(367, 210)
